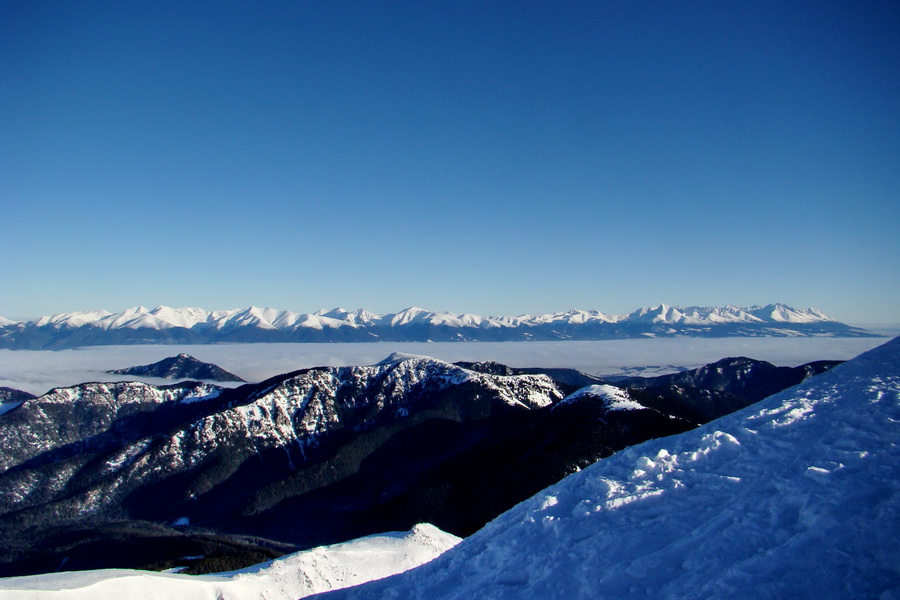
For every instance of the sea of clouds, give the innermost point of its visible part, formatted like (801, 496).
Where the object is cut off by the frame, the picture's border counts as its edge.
(39, 371)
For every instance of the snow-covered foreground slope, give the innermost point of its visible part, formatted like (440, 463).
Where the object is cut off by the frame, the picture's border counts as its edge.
(293, 576)
(795, 497)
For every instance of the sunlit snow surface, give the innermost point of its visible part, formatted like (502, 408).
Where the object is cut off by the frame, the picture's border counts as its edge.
(795, 497)
(294, 576)
(37, 371)
(614, 398)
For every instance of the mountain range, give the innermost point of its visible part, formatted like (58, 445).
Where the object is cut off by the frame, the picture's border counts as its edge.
(792, 497)
(165, 325)
(129, 474)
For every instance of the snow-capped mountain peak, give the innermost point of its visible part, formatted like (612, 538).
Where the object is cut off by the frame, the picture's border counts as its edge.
(612, 397)
(71, 320)
(257, 324)
(408, 315)
(785, 314)
(397, 357)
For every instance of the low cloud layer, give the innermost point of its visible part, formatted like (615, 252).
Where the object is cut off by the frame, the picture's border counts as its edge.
(39, 371)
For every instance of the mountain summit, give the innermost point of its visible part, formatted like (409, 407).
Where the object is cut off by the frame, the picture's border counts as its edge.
(164, 325)
(183, 366)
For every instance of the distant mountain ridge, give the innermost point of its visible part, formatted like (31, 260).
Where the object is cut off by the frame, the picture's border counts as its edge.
(165, 325)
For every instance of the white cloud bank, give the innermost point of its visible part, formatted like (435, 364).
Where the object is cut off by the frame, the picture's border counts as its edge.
(39, 371)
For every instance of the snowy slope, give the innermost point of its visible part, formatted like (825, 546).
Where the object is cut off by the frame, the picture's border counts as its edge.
(294, 576)
(797, 496)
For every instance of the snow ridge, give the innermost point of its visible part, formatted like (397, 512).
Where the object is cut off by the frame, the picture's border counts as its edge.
(292, 415)
(98, 405)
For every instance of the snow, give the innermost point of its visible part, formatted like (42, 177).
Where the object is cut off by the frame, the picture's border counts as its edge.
(573, 316)
(294, 576)
(321, 322)
(202, 395)
(397, 357)
(73, 319)
(254, 316)
(409, 315)
(613, 397)
(795, 497)
(161, 317)
(785, 314)
(696, 315)
(164, 317)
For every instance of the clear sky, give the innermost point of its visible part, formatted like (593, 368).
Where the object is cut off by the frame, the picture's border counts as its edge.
(486, 157)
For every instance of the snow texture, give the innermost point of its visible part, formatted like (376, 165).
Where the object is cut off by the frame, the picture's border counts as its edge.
(294, 576)
(797, 496)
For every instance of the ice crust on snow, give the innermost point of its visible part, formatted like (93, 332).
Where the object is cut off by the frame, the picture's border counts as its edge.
(293, 576)
(795, 497)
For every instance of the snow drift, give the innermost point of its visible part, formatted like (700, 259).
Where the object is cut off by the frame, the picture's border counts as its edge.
(796, 496)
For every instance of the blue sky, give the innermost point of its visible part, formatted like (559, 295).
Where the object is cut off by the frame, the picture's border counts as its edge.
(484, 157)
